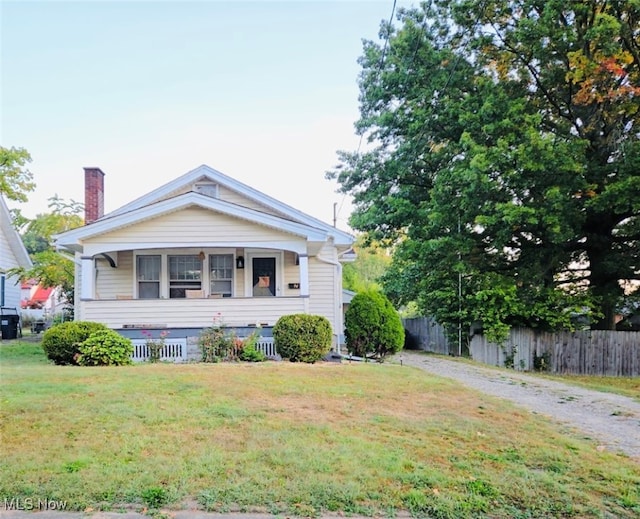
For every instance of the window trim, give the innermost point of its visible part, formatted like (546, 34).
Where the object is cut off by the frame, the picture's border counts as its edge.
(137, 281)
(210, 280)
(248, 269)
(205, 272)
(184, 284)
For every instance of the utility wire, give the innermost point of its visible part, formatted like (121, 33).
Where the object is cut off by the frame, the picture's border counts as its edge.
(377, 78)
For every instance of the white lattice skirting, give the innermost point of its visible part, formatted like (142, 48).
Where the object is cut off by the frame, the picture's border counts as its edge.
(267, 346)
(174, 350)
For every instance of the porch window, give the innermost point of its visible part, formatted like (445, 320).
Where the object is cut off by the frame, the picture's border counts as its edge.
(185, 273)
(221, 274)
(148, 270)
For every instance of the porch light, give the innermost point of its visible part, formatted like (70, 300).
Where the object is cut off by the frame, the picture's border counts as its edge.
(240, 262)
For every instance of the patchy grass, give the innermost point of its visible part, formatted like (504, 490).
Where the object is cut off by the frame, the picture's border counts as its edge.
(625, 386)
(291, 439)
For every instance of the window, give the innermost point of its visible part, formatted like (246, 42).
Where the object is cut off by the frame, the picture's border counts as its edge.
(185, 273)
(2, 285)
(221, 274)
(148, 268)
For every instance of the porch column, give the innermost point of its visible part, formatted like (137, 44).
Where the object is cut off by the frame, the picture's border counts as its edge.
(304, 275)
(88, 277)
(304, 280)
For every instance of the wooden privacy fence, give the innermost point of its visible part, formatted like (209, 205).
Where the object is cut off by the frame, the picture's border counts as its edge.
(423, 333)
(590, 352)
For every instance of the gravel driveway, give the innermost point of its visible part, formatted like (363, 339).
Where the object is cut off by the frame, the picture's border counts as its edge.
(612, 420)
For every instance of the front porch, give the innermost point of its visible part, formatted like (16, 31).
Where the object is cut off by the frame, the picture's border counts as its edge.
(192, 313)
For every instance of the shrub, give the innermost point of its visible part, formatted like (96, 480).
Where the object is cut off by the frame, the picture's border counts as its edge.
(105, 348)
(302, 337)
(216, 344)
(372, 326)
(248, 353)
(61, 342)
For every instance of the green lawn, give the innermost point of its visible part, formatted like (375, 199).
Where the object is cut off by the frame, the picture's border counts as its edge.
(291, 439)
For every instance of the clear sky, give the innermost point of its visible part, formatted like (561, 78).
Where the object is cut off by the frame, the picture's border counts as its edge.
(263, 91)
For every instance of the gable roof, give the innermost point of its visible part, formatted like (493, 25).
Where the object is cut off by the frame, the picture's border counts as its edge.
(205, 172)
(115, 221)
(171, 197)
(12, 236)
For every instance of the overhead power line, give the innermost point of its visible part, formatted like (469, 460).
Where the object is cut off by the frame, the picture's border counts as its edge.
(377, 77)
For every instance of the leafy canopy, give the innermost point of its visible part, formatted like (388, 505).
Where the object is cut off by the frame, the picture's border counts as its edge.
(51, 268)
(15, 179)
(504, 161)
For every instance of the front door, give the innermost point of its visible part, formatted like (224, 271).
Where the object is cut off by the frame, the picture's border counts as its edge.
(264, 277)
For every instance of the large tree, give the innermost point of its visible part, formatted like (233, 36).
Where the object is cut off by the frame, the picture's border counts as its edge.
(366, 271)
(50, 268)
(504, 161)
(15, 179)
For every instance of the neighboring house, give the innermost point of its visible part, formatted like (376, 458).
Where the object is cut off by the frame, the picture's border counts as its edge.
(12, 254)
(39, 302)
(200, 249)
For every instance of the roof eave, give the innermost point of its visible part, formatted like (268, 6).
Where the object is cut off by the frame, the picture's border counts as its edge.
(72, 239)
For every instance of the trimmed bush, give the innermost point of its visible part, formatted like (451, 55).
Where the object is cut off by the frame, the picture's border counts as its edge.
(372, 326)
(106, 348)
(61, 342)
(302, 337)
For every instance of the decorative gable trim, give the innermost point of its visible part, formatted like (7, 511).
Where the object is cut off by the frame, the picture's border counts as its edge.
(205, 173)
(71, 239)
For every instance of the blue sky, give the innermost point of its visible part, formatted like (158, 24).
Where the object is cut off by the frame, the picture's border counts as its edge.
(264, 91)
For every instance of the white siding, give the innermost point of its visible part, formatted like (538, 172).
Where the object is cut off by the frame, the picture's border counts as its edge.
(233, 197)
(291, 274)
(7, 261)
(191, 226)
(196, 313)
(227, 195)
(323, 286)
(112, 282)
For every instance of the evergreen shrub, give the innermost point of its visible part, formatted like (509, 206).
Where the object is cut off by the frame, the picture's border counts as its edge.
(302, 337)
(372, 326)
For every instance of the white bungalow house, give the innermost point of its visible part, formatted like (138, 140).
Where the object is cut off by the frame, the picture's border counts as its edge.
(200, 249)
(12, 254)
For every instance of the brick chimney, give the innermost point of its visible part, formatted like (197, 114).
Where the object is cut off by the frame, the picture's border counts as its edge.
(93, 194)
